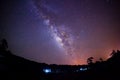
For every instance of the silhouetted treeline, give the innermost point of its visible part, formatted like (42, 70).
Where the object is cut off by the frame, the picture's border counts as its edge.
(13, 67)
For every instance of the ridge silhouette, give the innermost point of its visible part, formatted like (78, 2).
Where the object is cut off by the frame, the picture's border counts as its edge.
(13, 67)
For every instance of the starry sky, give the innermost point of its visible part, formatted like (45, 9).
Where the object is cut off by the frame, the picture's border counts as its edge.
(61, 31)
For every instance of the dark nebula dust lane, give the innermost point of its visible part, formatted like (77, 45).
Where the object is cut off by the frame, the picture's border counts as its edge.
(61, 31)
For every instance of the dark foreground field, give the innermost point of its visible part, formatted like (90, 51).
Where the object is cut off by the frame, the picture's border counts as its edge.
(13, 67)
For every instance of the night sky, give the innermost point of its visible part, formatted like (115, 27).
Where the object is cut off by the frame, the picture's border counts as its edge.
(61, 31)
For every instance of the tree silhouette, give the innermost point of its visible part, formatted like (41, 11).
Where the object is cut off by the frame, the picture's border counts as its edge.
(4, 48)
(113, 53)
(118, 51)
(90, 60)
(4, 44)
(101, 60)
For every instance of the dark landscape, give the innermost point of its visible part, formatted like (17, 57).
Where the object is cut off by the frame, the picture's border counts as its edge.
(13, 67)
(59, 39)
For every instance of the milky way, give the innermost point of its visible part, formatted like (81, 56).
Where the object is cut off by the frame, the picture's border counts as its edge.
(61, 31)
(62, 27)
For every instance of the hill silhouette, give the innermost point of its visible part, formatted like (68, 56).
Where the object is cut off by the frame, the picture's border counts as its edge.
(13, 67)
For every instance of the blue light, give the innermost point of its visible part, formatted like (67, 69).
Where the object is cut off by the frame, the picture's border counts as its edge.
(83, 69)
(47, 70)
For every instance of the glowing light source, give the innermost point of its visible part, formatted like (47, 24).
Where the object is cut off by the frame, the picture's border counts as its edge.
(47, 70)
(83, 69)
